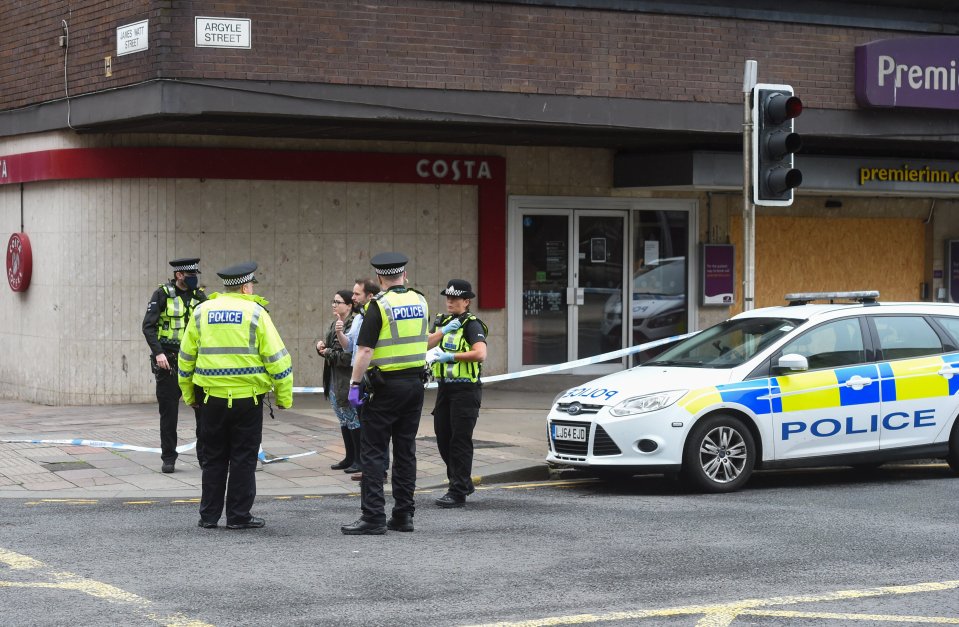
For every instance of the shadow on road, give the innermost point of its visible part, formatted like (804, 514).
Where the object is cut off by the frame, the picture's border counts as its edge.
(660, 485)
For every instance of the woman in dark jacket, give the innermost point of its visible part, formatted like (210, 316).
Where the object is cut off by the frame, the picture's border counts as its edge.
(336, 379)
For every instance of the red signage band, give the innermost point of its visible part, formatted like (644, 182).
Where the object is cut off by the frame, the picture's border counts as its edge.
(487, 173)
(19, 262)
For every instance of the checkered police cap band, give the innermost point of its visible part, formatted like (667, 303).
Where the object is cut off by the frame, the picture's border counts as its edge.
(390, 271)
(239, 280)
(193, 267)
(451, 291)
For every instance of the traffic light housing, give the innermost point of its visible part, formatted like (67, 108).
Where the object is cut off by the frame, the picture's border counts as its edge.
(774, 109)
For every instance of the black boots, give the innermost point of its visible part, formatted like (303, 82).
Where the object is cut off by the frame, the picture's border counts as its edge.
(354, 435)
(400, 522)
(363, 528)
(449, 501)
(351, 451)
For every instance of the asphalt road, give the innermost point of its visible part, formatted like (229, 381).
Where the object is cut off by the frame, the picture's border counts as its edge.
(638, 552)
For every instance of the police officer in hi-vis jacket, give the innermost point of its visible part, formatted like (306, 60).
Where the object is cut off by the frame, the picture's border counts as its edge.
(461, 336)
(165, 321)
(391, 364)
(233, 352)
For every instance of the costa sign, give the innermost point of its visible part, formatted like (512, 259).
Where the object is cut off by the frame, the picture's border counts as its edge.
(19, 262)
(453, 169)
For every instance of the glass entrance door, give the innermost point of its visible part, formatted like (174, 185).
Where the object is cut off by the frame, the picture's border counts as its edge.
(659, 285)
(573, 274)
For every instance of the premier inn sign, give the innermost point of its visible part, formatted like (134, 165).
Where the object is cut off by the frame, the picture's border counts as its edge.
(916, 72)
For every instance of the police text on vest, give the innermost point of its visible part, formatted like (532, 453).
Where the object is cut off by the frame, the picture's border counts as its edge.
(224, 317)
(408, 312)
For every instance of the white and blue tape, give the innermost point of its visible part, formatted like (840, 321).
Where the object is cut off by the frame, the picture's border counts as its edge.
(569, 365)
(266, 458)
(119, 446)
(262, 455)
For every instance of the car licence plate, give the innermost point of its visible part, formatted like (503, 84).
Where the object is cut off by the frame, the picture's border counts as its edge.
(564, 432)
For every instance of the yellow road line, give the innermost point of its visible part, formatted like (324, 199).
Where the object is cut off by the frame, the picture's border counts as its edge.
(18, 562)
(63, 502)
(547, 484)
(71, 582)
(723, 614)
(885, 618)
(139, 502)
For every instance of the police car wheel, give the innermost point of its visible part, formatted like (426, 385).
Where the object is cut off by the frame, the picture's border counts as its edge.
(953, 457)
(720, 455)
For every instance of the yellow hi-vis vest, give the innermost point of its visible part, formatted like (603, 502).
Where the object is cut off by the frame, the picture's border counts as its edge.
(455, 342)
(174, 317)
(232, 350)
(403, 335)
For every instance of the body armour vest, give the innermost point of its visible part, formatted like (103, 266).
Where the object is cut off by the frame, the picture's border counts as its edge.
(403, 333)
(175, 315)
(455, 342)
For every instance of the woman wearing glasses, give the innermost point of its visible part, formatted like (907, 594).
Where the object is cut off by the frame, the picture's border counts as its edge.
(336, 378)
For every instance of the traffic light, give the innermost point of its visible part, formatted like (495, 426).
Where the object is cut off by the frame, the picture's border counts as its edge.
(774, 142)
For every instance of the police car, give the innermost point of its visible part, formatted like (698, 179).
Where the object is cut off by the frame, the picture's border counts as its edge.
(845, 383)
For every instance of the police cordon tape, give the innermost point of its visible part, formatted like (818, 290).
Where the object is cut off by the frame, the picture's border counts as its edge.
(569, 365)
(262, 455)
(120, 446)
(266, 458)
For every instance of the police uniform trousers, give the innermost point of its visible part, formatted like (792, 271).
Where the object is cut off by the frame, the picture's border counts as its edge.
(232, 437)
(454, 418)
(168, 397)
(393, 412)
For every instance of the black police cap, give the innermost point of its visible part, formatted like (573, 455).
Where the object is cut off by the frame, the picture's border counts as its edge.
(389, 263)
(239, 274)
(459, 288)
(186, 264)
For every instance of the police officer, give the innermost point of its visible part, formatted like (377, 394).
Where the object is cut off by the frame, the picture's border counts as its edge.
(233, 352)
(391, 356)
(166, 318)
(461, 337)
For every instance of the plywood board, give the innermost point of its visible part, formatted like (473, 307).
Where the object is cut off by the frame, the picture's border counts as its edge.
(806, 254)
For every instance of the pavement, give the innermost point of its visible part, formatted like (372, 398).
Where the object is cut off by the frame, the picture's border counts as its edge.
(509, 439)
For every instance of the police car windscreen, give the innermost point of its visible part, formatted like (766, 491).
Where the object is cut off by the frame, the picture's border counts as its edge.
(726, 345)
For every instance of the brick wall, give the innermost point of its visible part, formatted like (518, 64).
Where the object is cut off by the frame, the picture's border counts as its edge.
(31, 60)
(432, 44)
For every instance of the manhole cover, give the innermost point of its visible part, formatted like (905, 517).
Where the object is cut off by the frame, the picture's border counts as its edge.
(58, 466)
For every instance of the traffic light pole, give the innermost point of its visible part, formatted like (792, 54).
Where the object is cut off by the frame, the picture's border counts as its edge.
(749, 209)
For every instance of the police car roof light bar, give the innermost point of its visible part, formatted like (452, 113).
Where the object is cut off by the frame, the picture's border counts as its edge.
(865, 297)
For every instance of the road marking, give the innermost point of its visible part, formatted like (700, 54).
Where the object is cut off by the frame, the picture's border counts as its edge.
(139, 502)
(549, 484)
(723, 614)
(63, 501)
(18, 562)
(886, 618)
(71, 582)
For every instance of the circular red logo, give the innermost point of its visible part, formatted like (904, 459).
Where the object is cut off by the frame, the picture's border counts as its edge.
(19, 262)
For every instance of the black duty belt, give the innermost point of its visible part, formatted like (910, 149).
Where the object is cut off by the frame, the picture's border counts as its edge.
(399, 374)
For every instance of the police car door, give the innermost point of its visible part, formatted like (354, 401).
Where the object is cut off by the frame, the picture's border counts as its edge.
(830, 408)
(919, 380)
